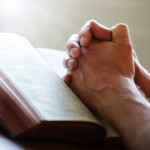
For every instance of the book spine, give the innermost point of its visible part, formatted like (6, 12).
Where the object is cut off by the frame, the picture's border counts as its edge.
(15, 113)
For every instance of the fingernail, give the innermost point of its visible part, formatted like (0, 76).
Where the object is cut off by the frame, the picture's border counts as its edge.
(73, 52)
(70, 64)
(82, 41)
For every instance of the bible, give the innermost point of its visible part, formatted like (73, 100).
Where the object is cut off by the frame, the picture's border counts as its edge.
(34, 100)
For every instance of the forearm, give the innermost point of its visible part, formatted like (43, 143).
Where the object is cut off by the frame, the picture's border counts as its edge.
(133, 123)
(135, 128)
(129, 114)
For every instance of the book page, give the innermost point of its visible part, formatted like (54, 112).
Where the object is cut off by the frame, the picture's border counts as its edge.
(38, 83)
(54, 58)
(50, 56)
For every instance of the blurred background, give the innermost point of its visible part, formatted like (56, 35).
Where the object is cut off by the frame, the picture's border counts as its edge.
(49, 23)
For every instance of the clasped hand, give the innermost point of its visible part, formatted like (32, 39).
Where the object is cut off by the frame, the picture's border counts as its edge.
(101, 64)
(103, 71)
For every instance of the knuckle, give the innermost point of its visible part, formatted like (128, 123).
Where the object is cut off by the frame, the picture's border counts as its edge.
(89, 21)
(71, 45)
(92, 21)
(74, 36)
(85, 27)
(122, 26)
(65, 63)
(68, 47)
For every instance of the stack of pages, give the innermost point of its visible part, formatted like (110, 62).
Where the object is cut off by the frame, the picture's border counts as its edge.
(34, 100)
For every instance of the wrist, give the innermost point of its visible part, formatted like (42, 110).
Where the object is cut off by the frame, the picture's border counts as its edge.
(118, 97)
(127, 111)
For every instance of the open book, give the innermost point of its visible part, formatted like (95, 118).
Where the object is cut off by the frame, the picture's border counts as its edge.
(35, 102)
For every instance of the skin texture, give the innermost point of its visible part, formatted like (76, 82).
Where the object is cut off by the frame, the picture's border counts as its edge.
(94, 29)
(99, 67)
(104, 78)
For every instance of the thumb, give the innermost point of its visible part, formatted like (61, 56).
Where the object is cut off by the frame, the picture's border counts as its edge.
(120, 33)
(100, 32)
